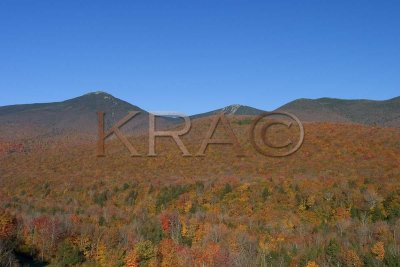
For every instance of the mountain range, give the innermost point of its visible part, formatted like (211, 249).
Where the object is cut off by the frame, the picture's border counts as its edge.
(79, 114)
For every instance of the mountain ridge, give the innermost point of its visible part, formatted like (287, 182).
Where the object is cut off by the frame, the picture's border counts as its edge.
(79, 114)
(363, 111)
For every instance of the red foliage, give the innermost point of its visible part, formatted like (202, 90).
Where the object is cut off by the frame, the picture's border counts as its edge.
(11, 147)
(75, 219)
(165, 222)
(8, 225)
(214, 255)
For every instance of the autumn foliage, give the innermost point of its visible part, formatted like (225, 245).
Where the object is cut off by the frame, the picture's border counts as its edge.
(336, 202)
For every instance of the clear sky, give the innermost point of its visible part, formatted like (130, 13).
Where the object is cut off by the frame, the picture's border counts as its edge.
(195, 55)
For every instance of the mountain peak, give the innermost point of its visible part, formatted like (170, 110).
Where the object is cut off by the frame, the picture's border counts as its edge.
(231, 109)
(97, 93)
(99, 100)
(74, 114)
(235, 109)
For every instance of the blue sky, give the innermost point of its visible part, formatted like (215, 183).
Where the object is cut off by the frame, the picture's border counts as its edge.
(195, 55)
